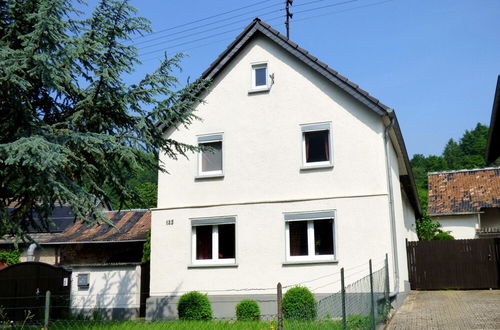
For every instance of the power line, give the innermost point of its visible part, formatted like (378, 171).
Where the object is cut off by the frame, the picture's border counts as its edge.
(344, 10)
(202, 19)
(268, 20)
(208, 30)
(211, 23)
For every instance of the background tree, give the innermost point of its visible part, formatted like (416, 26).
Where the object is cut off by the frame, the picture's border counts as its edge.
(72, 131)
(468, 153)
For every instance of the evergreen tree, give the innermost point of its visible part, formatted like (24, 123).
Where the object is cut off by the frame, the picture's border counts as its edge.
(71, 129)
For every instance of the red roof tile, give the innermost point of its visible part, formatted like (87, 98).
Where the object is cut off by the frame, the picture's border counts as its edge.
(463, 191)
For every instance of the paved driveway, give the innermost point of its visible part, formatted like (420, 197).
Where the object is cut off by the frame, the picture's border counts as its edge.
(478, 309)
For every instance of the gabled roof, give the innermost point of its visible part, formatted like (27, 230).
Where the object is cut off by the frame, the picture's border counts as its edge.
(493, 147)
(258, 27)
(132, 225)
(463, 191)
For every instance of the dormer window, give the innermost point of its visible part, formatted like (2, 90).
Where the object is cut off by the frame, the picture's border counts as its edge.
(260, 77)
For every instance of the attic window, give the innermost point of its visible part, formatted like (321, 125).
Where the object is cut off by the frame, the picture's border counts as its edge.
(259, 76)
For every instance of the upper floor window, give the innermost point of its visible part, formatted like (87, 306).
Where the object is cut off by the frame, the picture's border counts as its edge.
(259, 76)
(310, 236)
(210, 161)
(316, 145)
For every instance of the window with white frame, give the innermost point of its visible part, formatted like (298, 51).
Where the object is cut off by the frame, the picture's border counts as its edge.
(316, 145)
(213, 240)
(210, 162)
(310, 236)
(259, 76)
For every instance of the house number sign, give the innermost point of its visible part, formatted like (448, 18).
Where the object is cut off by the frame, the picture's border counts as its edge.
(169, 222)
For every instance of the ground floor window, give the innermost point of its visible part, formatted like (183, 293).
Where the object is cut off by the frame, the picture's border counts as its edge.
(214, 240)
(310, 236)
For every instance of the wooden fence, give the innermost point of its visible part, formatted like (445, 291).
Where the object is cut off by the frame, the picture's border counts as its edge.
(454, 264)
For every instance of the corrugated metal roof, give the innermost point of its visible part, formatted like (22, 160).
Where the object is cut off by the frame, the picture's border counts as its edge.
(463, 191)
(129, 226)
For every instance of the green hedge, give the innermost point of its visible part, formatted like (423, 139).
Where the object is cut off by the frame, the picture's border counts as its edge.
(299, 304)
(247, 310)
(194, 306)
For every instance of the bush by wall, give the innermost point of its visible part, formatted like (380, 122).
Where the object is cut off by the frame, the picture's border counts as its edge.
(299, 304)
(247, 310)
(443, 236)
(194, 306)
(10, 257)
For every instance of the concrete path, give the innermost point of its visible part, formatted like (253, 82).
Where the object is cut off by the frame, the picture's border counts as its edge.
(479, 309)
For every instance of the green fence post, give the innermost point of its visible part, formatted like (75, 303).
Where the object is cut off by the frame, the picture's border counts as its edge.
(342, 294)
(372, 309)
(47, 309)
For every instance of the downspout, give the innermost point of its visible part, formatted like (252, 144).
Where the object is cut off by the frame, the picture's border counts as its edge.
(394, 241)
(30, 252)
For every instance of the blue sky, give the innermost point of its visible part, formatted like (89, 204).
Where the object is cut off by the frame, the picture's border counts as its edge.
(434, 61)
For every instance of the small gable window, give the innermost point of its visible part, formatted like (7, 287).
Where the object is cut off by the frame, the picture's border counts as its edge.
(259, 76)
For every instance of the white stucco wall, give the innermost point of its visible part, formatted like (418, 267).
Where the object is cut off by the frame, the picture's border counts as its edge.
(111, 287)
(461, 226)
(263, 179)
(362, 233)
(262, 138)
(42, 253)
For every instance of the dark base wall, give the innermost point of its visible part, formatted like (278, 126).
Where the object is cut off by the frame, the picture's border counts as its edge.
(223, 306)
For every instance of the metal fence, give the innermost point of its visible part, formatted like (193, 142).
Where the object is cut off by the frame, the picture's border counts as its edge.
(362, 304)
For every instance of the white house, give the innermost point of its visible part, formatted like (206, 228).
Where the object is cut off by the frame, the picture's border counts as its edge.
(307, 173)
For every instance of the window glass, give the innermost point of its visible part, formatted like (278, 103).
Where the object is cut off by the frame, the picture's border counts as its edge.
(298, 238)
(203, 242)
(323, 237)
(211, 160)
(317, 146)
(260, 76)
(226, 241)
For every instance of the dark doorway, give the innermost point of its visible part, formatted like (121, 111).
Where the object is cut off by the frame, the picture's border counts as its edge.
(23, 287)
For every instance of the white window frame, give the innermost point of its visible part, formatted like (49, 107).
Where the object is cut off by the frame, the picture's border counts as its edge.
(254, 87)
(210, 138)
(214, 222)
(316, 127)
(310, 217)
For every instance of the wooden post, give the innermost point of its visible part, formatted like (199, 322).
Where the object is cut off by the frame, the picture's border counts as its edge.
(372, 309)
(47, 310)
(280, 307)
(342, 294)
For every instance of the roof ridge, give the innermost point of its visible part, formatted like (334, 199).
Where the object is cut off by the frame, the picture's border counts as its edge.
(466, 170)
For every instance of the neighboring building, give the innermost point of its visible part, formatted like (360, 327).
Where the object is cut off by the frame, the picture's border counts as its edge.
(307, 173)
(493, 148)
(105, 261)
(466, 202)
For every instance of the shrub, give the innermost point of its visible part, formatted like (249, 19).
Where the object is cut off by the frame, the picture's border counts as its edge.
(194, 306)
(443, 236)
(247, 310)
(299, 304)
